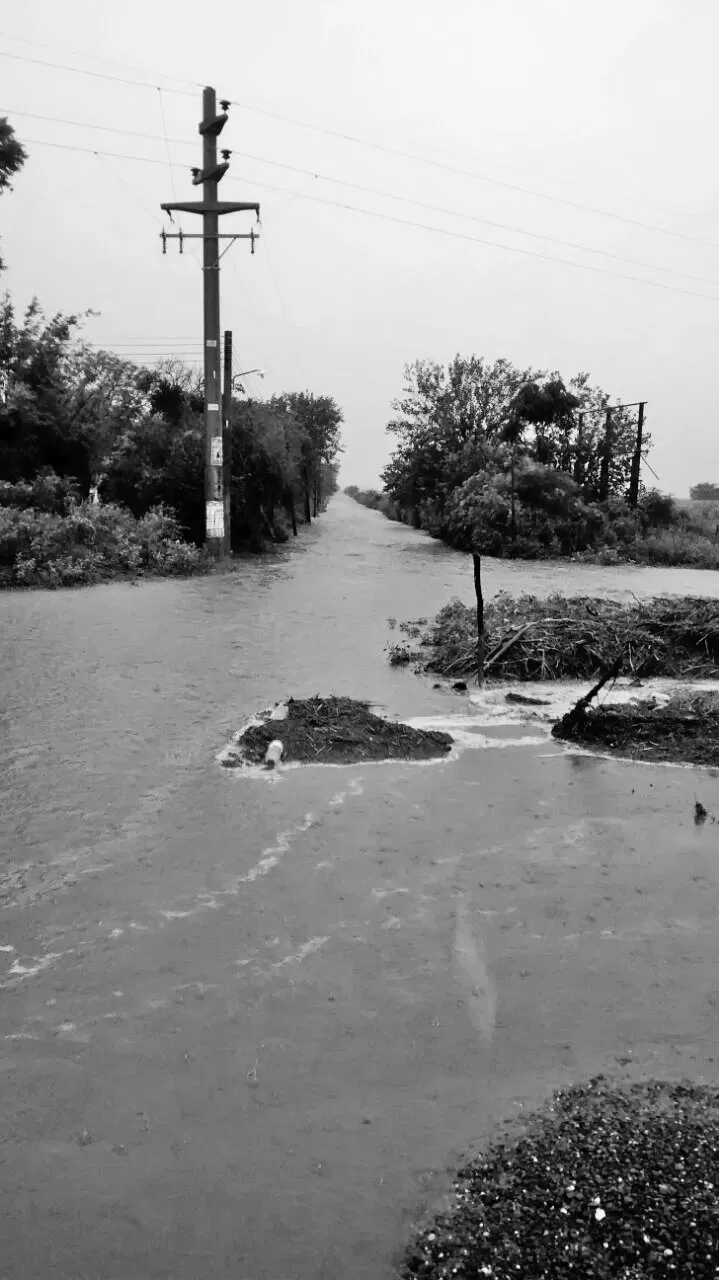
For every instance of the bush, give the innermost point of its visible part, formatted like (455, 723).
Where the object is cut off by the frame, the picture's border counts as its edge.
(677, 546)
(38, 548)
(658, 509)
(47, 492)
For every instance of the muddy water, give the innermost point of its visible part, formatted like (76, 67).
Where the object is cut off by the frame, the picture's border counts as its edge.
(247, 1024)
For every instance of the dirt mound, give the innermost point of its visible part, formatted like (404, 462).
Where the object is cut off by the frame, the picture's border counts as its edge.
(685, 729)
(610, 1181)
(339, 731)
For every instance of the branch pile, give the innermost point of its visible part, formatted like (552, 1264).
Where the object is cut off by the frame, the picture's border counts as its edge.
(685, 729)
(337, 730)
(565, 638)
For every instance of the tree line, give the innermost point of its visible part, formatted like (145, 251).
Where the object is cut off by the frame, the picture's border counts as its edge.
(135, 436)
(495, 458)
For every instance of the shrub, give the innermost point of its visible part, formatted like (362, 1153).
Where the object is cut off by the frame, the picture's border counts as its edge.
(677, 546)
(47, 492)
(38, 548)
(658, 509)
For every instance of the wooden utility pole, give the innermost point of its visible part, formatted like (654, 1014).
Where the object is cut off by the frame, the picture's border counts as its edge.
(637, 459)
(227, 439)
(211, 209)
(606, 458)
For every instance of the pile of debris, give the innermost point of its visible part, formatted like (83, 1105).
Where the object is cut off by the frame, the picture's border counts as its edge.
(569, 638)
(331, 731)
(683, 729)
(610, 1181)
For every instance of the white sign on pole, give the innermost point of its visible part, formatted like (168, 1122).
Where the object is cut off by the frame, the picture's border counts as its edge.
(216, 451)
(215, 519)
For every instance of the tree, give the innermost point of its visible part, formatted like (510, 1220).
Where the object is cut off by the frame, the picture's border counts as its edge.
(102, 397)
(267, 464)
(318, 420)
(705, 492)
(549, 410)
(12, 158)
(475, 418)
(35, 427)
(66, 406)
(448, 424)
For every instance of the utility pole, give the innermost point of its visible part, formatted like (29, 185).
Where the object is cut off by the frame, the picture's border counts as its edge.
(637, 459)
(211, 173)
(227, 438)
(606, 458)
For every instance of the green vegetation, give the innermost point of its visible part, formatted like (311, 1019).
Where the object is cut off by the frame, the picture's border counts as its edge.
(78, 424)
(705, 492)
(12, 158)
(375, 500)
(81, 427)
(90, 543)
(564, 638)
(508, 462)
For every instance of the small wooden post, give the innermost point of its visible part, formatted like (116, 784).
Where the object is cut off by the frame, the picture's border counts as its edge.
(477, 565)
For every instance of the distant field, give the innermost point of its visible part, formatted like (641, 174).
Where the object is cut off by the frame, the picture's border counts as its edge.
(704, 510)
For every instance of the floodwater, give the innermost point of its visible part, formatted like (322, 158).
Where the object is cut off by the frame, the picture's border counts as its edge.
(249, 1023)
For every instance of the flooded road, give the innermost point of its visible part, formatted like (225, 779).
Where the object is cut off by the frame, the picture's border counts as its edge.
(247, 1023)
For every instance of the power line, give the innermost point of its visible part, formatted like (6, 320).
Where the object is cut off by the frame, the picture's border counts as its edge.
(143, 342)
(280, 298)
(394, 151)
(94, 151)
(105, 128)
(98, 75)
(128, 348)
(419, 204)
(388, 217)
(169, 157)
(488, 222)
(495, 244)
(467, 173)
(92, 57)
(128, 188)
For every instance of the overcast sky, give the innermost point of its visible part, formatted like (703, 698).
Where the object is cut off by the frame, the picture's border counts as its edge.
(608, 105)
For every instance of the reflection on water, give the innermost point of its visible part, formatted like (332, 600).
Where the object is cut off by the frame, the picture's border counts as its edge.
(115, 696)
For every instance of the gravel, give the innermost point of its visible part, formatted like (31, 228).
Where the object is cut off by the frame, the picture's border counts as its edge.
(612, 1181)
